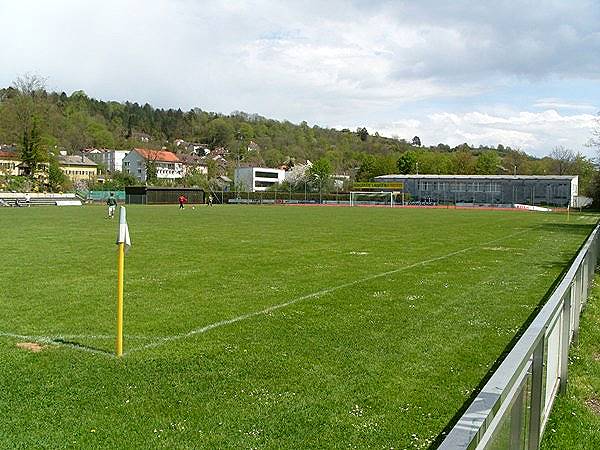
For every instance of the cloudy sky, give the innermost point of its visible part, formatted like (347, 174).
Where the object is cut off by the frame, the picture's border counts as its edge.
(524, 73)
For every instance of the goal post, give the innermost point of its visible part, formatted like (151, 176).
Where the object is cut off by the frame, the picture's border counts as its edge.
(382, 198)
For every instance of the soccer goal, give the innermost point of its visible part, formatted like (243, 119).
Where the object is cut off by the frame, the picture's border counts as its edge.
(373, 198)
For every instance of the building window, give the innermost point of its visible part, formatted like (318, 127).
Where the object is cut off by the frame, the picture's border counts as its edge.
(264, 183)
(425, 185)
(262, 174)
(458, 187)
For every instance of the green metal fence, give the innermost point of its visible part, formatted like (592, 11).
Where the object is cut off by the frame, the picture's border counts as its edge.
(99, 196)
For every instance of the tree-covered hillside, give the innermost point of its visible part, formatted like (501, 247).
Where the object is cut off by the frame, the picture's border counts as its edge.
(76, 121)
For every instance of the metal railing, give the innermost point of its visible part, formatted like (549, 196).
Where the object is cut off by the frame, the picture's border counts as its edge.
(512, 409)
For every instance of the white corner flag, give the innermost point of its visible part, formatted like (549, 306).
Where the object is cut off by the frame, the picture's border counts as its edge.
(123, 237)
(124, 242)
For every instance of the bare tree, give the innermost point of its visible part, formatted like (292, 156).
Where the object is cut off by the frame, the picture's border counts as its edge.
(563, 159)
(595, 139)
(26, 103)
(30, 85)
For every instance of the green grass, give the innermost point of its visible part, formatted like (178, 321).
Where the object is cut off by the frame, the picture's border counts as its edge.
(395, 317)
(575, 419)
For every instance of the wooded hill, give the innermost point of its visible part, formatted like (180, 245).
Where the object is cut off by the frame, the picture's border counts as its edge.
(76, 121)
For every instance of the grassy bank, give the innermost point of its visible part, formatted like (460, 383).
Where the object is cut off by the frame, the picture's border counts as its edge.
(575, 419)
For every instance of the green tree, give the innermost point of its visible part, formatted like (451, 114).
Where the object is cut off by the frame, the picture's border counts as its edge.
(57, 180)
(384, 165)
(32, 153)
(362, 133)
(219, 133)
(487, 163)
(366, 170)
(586, 170)
(122, 179)
(463, 162)
(151, 172)
(407, 163)
(320, 173)
(195, 179)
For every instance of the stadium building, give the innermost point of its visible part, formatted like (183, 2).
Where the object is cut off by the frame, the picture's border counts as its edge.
(552, 190)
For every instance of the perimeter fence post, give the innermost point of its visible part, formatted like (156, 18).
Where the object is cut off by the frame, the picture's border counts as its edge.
(586, 278)
(565, 338)
(537, 393)
(516, 419)
(576, 303)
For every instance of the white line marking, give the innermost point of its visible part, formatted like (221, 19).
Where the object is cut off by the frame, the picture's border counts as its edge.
(211, 326)
(76, 336)
(61, 340)
(53, 341)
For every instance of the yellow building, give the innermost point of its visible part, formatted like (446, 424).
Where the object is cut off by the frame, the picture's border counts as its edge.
(9, 163)
(78, 168)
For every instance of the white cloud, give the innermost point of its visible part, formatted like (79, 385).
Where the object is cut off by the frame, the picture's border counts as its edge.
(535, 133)
(557, 103)
(337, 62)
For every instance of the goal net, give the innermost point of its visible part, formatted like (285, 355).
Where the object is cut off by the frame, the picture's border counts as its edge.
(358, 198)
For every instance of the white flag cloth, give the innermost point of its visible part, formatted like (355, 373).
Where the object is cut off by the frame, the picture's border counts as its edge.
(123, 236)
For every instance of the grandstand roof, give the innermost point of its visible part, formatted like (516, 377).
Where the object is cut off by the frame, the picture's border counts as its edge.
(471, 177)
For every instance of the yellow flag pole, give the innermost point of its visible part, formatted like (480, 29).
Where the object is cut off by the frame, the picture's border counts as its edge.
(121, 268)
(124, 243)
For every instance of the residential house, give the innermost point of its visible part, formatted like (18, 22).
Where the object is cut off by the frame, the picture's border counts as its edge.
(220, 162)
(9, 163)
(78, 167)
(12, 165)
(112, 160)
(193, 164)
(194, 148)
(253, 147)
(168, 165)
(142, 137)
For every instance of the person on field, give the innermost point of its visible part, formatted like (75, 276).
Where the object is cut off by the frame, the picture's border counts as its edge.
(182, 201)
(111, 202)
(27, 199)
(209, 200)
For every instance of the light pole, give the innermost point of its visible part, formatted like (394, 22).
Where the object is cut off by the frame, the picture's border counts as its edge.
(318, 178)
(304, 189)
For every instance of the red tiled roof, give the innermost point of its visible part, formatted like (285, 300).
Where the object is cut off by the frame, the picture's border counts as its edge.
(12, 155)
(157, 155)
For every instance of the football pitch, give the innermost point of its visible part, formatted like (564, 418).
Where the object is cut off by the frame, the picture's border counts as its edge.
(263, 326)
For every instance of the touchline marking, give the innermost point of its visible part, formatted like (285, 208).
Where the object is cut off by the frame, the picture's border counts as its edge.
(56, 341)
(211, 326)
(75, 336)
(59, 340)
